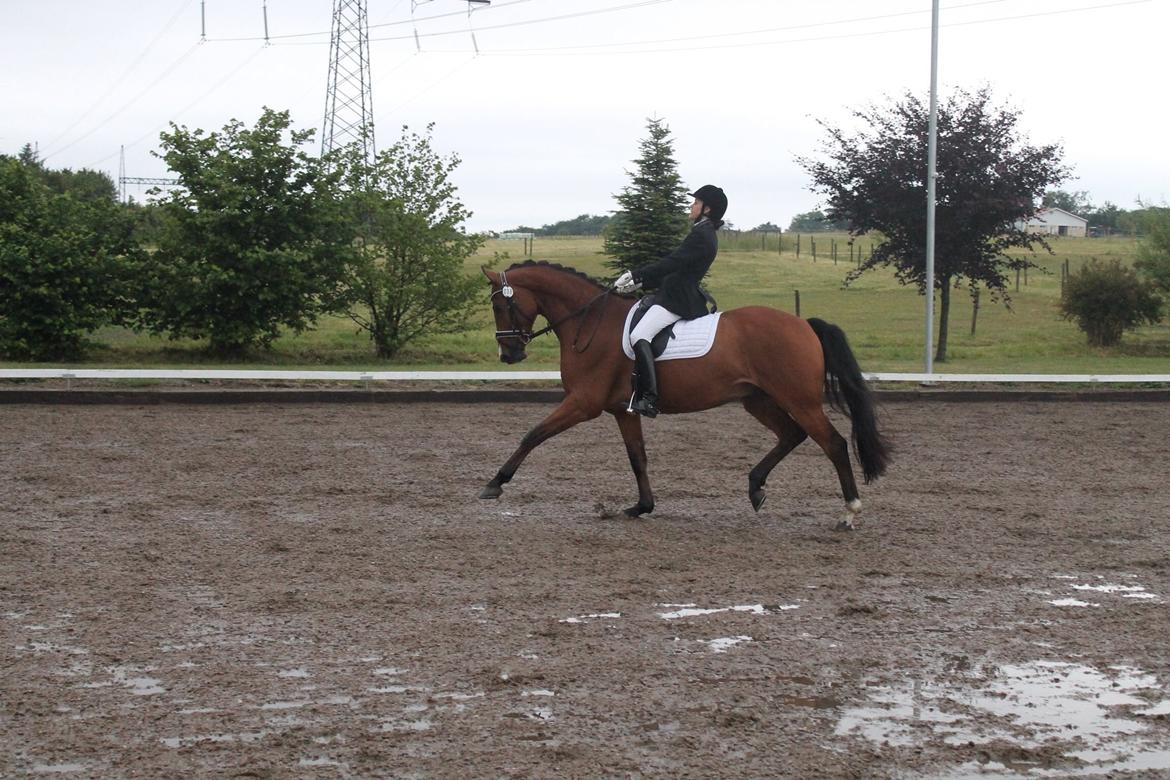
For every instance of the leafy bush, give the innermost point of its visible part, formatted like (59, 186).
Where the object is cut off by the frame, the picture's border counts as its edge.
(405, 273)
(64, 265)
(1107, 299)
(253, 240)
(1154, 251)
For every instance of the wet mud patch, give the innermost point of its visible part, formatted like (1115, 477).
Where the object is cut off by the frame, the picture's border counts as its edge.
(317, 592)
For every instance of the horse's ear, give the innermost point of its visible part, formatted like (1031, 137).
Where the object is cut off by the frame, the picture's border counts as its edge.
(492, 276)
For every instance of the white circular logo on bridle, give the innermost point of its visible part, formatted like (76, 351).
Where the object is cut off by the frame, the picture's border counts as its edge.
(506, 290)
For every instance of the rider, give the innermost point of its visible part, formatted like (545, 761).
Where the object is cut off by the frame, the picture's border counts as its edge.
(676, 277)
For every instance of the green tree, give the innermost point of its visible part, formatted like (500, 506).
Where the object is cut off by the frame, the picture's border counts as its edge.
(1104, 219)
(253, 237)
(814, 222)
(1153, 259)
(1106, 300)
(767, 227)
(989, 179)
(651, 218)
(1073, 202)
(85, 184)
(149, 223)
(583, 225)
(64, 266)
(405, 274)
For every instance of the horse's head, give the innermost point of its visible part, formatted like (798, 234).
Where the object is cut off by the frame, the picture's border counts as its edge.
(515, 310)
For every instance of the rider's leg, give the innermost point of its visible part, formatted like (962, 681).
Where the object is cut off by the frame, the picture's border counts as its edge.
(645, 399)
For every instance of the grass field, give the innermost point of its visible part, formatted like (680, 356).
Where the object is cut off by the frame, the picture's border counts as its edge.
(882, 319)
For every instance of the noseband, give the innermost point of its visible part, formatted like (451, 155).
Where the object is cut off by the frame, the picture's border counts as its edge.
(525, 336)
(516, 332)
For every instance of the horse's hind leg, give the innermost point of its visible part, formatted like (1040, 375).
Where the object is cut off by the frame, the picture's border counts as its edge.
(787, 431)
(631, 428)
(812, 418)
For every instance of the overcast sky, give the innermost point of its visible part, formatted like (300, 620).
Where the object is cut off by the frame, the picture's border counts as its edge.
(547, 116)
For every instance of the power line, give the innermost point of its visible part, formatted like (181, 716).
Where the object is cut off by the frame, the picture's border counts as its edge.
(542, 20)
(760, 31)
(118, 82)
(413, 36)
(580, 50)
(176, 114)
(403, 103)
(413, 20)
(181, 58)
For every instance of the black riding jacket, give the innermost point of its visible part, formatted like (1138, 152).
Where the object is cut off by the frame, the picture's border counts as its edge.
(676, 277)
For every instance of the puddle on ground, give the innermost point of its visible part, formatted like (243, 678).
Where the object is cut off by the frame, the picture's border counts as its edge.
(338, 700)
(50, 647)
(1133, 592)
(723, 644)
(321, 761)
(139, 686)
(1095, 718)
(246, 736)
(1072, 603)
(693, 610)
(388, 671)
(458, 695)
(396, 689)
(422, 724)
(57, 769)
(594, 616)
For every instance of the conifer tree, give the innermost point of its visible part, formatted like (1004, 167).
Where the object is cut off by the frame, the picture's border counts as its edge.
(651, 218)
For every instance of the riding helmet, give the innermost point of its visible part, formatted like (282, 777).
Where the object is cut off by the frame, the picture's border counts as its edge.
(713, 198)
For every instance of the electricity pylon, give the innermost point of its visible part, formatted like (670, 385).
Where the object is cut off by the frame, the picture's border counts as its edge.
(349, 105)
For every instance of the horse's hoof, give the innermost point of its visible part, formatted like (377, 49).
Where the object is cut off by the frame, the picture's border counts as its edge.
(758, 497)
(637, 510)
(844, 525)
(491, 491)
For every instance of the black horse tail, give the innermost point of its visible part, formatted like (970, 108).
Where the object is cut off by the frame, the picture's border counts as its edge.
(847, 391)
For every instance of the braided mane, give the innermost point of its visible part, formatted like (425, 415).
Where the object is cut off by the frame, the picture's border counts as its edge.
(558, 267)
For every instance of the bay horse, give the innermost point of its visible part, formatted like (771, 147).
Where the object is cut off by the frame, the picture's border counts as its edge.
(780, 367)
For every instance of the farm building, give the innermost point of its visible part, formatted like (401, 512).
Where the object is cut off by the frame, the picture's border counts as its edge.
(1056, 222)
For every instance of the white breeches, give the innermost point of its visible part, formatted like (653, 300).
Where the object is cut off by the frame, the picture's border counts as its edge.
(652, 322)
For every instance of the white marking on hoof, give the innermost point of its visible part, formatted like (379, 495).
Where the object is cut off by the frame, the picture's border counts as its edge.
(854, 506)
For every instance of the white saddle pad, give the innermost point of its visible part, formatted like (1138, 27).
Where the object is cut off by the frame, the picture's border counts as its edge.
(692, 338)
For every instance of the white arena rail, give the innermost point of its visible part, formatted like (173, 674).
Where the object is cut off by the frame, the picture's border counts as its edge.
(515, 376)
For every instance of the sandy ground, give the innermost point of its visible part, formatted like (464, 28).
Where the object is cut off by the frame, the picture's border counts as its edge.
(314, 591)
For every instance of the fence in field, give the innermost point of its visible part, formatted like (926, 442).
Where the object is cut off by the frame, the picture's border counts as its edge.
(817, 247)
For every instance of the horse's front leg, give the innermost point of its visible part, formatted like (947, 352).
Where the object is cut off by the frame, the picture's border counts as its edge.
(631, 428)
(565, 416)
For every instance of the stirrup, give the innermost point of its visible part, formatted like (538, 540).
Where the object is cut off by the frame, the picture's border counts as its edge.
(643, 407)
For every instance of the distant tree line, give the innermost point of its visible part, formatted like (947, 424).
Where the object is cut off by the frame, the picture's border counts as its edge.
(1108, 218)
(583, 225)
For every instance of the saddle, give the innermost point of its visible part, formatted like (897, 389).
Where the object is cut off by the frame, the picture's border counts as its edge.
(683, 339)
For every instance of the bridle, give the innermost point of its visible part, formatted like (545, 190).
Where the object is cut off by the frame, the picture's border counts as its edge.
(525, 336)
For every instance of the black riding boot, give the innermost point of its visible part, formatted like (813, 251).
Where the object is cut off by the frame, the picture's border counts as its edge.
(645, 400)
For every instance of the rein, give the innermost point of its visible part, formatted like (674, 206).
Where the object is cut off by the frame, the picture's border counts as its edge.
(526, 335)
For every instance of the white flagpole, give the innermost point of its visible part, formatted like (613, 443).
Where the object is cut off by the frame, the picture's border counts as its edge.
(931, 165)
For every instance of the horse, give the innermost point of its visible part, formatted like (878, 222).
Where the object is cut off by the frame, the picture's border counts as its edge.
(780, 367)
